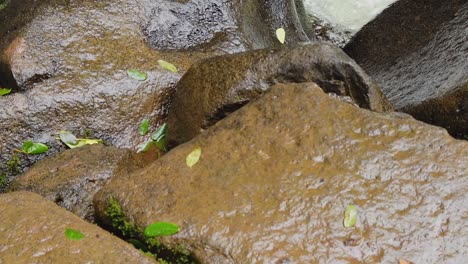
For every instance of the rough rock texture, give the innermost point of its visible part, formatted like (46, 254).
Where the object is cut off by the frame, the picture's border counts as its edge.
(32, 230)
(70, 77)
(66, 60)
(417, 51)
(275, 177)
(72, 177)
(207, 92)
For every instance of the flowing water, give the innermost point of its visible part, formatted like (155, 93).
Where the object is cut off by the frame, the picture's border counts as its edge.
(351, 15)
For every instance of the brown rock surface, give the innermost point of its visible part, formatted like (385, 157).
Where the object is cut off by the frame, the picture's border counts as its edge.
(417, 51)
(32, 230)
(275, 177)
(217, 86)
(72, 177)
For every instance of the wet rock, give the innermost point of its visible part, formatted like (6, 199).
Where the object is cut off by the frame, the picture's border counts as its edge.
(417, 50)
(72, 177)
(32, 230)
(71, 77)
(66, 61)
(275, 177)
(217, 86)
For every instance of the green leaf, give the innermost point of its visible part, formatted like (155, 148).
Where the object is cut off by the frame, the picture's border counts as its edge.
(144, 125)
(160, 133)
(34, 148)
(161, 144)
(145, 146)
(350, 216)
(168, 66)
(26, 145)
(159, 137)
(137, 75)
(4, 91)
(193, 157)
(73, 234)
(281, 35)
(68, 138)
(161, 229)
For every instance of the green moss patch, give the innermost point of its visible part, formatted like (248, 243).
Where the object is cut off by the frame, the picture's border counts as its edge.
(150, 246)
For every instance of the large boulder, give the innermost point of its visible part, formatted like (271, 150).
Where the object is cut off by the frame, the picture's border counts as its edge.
(32, 230)
(66, 61)
(70, 66)
(275, 177)
(416, 50)
(217, 86)
(72, 177)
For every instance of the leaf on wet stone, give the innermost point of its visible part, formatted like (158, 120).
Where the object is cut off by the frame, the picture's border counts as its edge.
(350, 216)
(161, 229)
(68, 138)
(72, 142)
(161, 144)
(30, 147)
(4, 91)
(159, 137)
(281, 35)
(144, 125)
(145, 146)
(73, 234)
(160, 133)
(137, 75)
(86, 141)
(26, 145)
(168, 66)
(193, 157)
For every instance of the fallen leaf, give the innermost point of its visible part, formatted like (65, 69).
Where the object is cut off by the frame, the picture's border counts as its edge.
(4, 91)
(73, 234)
(34, 148)
(281, 35)
(193, 157)
(168, 66)
(144, 125)
(137, 75)
(145, 146)
(161, 229)
(350, 216)
(67, 138)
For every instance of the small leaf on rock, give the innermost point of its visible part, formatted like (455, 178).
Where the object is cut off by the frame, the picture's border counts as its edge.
(161, 144)
(145, 146)
(26, 145)
(144, 125)
(168, 66)
(137, 75)
(34, 148)
(193, 157)
(161, 229)
(4, 91)
(160, 133)
(350, 216)
(86, 141)
(67, 138)
(281, 35)
(73, 234)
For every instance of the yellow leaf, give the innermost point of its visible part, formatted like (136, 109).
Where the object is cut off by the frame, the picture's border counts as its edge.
(193, 157)
(167, 66)
(281, 35)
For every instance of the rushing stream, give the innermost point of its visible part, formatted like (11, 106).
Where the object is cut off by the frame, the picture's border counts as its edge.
(351, 15)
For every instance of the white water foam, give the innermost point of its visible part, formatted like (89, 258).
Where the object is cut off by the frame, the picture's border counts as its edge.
(348, 14)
